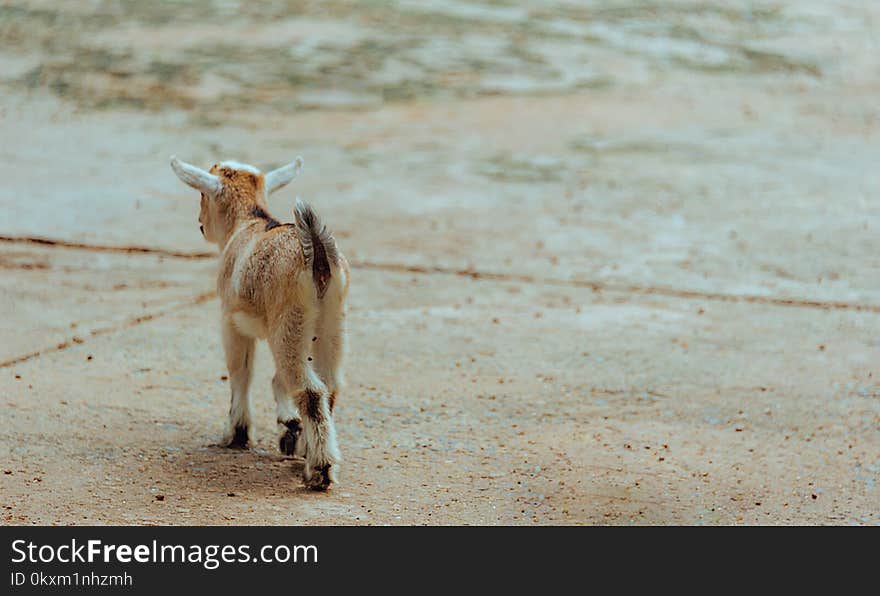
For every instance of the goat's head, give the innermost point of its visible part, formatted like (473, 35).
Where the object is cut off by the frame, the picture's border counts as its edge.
(230, 190)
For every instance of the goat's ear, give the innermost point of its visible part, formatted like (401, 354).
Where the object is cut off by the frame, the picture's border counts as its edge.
(283, 176)
(196, 177)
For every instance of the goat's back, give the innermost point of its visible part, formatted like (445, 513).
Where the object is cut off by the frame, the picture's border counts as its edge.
(261, 270)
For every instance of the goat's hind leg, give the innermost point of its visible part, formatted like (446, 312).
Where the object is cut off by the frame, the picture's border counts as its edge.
(328, 343)
(296, 377)
(239, 361)
(322, 453)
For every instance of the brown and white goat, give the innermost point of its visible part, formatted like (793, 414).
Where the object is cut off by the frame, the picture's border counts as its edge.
(285, 283)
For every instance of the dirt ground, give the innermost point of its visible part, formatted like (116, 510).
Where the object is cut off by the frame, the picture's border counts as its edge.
(613, 262)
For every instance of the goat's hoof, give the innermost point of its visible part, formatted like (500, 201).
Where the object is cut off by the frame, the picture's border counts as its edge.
(320, 478)
(289, 437)
(239, 438)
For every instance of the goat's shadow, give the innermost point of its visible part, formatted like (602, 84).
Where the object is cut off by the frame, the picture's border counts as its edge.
(217, 470)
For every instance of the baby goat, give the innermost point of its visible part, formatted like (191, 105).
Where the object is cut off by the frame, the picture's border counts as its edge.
(285, 283)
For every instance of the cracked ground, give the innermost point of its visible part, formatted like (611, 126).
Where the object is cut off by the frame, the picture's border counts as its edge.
(612, 262)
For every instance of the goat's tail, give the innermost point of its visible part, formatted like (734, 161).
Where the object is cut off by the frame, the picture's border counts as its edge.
(319, 247)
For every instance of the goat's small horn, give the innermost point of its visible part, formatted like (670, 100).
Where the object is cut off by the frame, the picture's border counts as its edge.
(196, 177)
(283, 176)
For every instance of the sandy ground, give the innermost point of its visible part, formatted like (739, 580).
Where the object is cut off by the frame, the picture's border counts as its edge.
(613, 263)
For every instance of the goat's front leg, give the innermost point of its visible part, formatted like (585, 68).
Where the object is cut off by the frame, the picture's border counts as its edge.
(239, 361)
(289, 421)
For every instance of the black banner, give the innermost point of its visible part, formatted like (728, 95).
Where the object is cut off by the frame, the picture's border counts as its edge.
(151, 560)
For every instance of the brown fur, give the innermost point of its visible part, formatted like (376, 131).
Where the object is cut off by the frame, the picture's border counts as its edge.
(286, 283)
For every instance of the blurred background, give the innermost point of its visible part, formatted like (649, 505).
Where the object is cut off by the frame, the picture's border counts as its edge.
(614, 261)
(667, 130)
(291, 56)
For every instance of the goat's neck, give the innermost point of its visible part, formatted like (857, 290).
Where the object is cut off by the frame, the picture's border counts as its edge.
(241, 222)
(240, 228)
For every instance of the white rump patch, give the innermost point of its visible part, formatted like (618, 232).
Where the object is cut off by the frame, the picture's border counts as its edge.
(250, 326)
(234, 165)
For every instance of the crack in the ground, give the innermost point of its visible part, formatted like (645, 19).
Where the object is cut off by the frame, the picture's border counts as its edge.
(596, 286)
(177, 254)
(129, 322)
